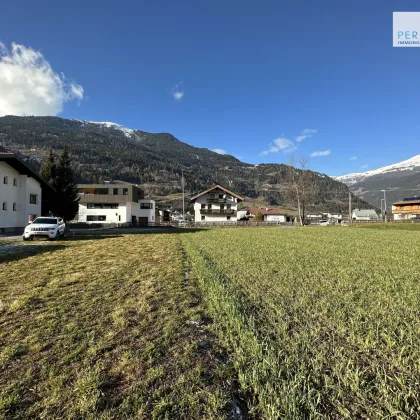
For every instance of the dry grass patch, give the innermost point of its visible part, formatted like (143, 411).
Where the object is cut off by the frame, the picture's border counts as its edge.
(99, 329)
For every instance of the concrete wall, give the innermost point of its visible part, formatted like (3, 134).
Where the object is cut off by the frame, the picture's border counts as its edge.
(118, 215)
(9, 193)
(122, 214)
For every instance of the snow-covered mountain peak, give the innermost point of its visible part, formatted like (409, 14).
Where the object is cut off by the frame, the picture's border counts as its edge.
(128, 132)
(406, 165)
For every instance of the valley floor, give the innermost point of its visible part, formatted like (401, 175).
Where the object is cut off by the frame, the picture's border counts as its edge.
(223, 323)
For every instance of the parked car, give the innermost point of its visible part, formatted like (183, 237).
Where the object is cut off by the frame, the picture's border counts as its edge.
(324, 222)
(50, 227)
(415, 219)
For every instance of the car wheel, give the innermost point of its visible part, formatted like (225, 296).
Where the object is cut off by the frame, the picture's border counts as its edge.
(26, 239)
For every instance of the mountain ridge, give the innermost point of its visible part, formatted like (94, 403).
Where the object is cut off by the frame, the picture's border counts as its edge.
(405, 165)
(107, 150)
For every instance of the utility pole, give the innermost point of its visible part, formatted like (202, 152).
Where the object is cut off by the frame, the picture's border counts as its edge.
(382, 211)
(183, 196)
(350, 221)
(384, 191)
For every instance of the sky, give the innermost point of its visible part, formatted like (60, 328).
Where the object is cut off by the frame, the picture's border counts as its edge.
(257, 80)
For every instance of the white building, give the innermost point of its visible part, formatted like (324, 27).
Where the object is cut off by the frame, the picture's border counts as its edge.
(217, 204)
(21, 192)
(364, 215)
(117, 203)
(271, 215)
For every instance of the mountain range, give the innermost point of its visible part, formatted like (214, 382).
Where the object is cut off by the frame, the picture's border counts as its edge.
(106, 150)
(399, 180)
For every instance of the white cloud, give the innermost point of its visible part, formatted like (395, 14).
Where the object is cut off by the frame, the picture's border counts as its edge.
(220, 151)
(321, 153)
(279, 144)
(353, 158)
(365, 166)
(306, 134)
(176, 91)
(29, 85)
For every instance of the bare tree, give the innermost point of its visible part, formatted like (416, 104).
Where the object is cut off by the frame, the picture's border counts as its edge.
(301, 185)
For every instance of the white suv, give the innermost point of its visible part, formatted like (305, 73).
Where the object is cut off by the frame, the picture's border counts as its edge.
(50, 227)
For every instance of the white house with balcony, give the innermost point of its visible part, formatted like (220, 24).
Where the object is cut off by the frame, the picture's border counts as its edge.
(215, 205)
(21, 193)
(115, 202)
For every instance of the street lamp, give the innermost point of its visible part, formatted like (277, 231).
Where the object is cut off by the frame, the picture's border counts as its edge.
(384, 191)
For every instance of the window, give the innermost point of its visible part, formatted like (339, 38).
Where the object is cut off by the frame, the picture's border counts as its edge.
(33, 199)
(102, 205)
(220, 195)
(14, 182)
(228, 206)
(6, 180)
(4, 205)
(125, 191)
(212, 195)
(146, 205)
(209, 206)
(101, 191)
(14, 207)
(203, 217)
(115, 191)
(227, 217)
(95, 218)
(203, 206)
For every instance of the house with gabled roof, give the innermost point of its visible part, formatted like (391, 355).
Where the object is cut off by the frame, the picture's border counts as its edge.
(364, 215)
(24, 195)
(216, 204)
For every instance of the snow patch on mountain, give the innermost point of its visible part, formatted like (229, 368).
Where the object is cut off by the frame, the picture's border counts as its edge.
(128, 132)
(406, 165)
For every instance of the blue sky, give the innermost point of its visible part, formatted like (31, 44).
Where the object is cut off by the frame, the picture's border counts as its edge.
(246, 77)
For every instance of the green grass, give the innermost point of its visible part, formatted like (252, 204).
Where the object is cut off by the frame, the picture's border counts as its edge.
(388, 226)
(101, 328)
(321, 323)
(284, 323)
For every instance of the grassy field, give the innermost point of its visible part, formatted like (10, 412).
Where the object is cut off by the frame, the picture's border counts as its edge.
(388, 226)
(224, 323)
(320, 322)
(107, 327)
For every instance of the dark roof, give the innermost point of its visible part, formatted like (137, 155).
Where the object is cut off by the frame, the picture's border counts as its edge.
(404, 202)
(12, 160)
(213, 188)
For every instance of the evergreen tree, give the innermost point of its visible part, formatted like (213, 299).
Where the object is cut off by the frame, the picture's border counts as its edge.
(49, 169)
(67, 191)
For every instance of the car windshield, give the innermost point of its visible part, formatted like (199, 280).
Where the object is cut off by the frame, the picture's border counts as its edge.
(45, 221)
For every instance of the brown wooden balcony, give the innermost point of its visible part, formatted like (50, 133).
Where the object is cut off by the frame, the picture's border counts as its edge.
(216, 200)
(218, 211)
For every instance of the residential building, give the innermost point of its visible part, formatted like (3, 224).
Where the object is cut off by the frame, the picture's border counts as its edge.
(364, 215)
(217, 204)
(24, 195)
(272, 215)
(406, 209)
(114, 202)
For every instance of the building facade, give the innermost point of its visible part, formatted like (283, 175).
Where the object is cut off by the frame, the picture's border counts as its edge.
(364, 215)
(215, 205)
(21, 191)
(406, 209)
(271, 215)
(117, 203)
